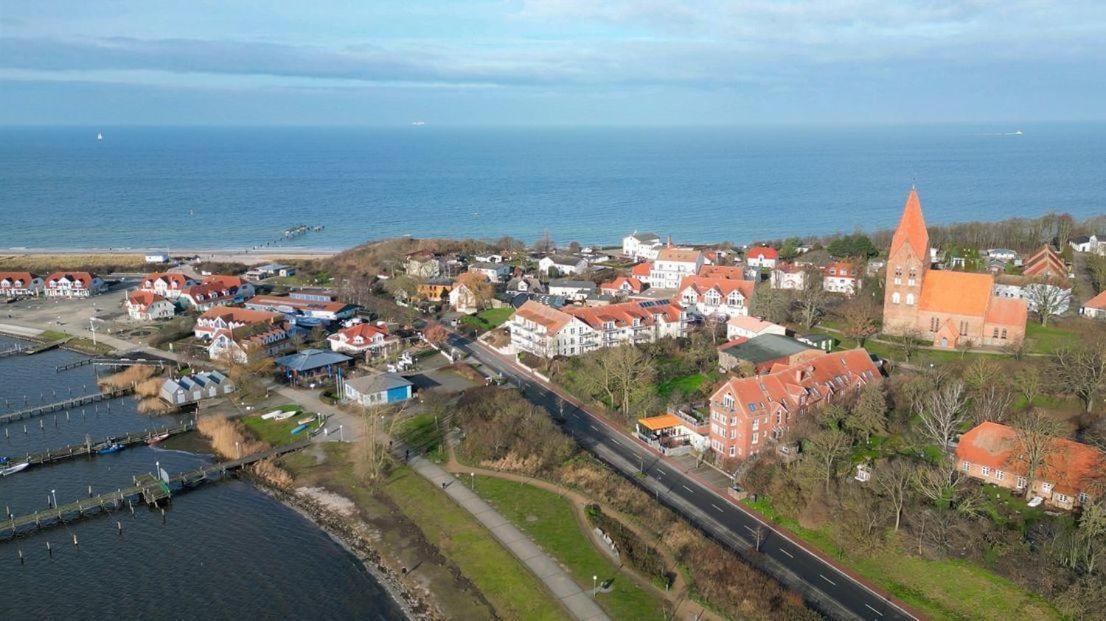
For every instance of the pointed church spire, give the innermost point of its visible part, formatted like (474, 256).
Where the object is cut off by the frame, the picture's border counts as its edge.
(912, 228)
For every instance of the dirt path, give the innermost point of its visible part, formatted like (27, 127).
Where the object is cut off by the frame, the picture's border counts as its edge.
(677, 594)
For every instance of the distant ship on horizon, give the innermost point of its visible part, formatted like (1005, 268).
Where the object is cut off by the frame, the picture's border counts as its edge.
(418, 123)
(99, 136)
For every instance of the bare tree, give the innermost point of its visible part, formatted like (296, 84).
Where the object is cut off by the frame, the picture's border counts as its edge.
(826, 448)
(1036, 433)
(895, 482)
(1081, 370)
(869, 415)
(811, 299)
(545, 243)
(1047, 299)
(908, 343)
(627, 374)
(943, 413)
(859, 317)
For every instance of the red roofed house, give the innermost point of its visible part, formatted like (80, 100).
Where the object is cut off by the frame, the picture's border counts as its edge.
(168, 285)
(789, 276)
(750, 413)
(748, 327)
(716, 296)
(215, 290)
(948, 308)
(1045, 263)
(146, 306)
(227, 318)
(1071, 475)
(19, 283)
(545, 331)
(238, 333)
(841, 277)
(622, 285)
(734, 272)
(761, 256)
(364, 338)
(73, 285)
(1095, 308)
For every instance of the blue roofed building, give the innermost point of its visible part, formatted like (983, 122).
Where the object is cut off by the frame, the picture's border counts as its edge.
(377, 389)
(311, 364)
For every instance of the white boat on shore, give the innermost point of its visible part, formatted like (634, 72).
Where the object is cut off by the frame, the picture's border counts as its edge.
(278, 415)
(14, 469)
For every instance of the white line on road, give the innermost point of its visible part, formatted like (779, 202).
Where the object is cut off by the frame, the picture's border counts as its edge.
(717, 508)
(593, 428)
(873, 610)
(827, 579)
(688, 489)
(750, 530)
(662, 472)
(787, 553)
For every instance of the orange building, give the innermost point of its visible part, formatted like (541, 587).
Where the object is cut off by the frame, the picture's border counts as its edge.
(946, 307)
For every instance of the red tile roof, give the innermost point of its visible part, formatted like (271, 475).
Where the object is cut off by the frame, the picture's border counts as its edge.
(623, 314)
(681, 255)
(364, 330)
(223, 280)
(143, 298)
(240, 315)
(12, 277)
(83, 277)
(209, 292)
(1007, 312)
(641, 270)
(840, 269)
(1071, 467)
(959, 293)
(762, 252)
(724, 285)
(616, 285)
(1098, 301)
(1045, 263)
(281, 300)
(734, 272)
(912, 229)
(543, 315)
(175, 280)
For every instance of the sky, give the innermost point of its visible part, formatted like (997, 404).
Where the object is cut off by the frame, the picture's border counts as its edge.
(550, 62)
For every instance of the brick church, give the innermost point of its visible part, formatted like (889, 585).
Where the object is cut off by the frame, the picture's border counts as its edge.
(946, 307)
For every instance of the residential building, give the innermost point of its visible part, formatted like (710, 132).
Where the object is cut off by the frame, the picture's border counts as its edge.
(228, 318)
(732, 272)
(1095, 244)
(554, 301)
(146, 306)
(622, 286)
(215, 290)
(1054, 293)
(423, 265)
(716, 297)
(377, 389)
(841, 277)
(270, 270)
(364, 339)
(948, 308)
(463, 300)
(436, 288)
(565, 265)
(789, 276)
(745, 326)
(764, 352)
(1045, 263)
(762, 256)
(638, 246)
(545, 331)
(1005, 255)
(1095, 308)
(672, 265)
(305, 312)
(1070, 476)
(641, 271)
(13, 284)
(257, 338)
(168, 285)
(524, 284)
(195, 387)
(157, 257)
(73, 285)
(749, 414)
(311, 365)
(576, 290)
(681, 430)
(494, 272)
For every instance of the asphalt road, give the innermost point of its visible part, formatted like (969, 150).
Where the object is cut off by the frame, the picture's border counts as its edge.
(833, 592)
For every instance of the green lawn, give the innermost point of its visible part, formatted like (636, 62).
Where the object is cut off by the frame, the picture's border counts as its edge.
(488, 319)
(551, 522)
(940, 589)
(275, 432)
(50, 336)
(684, 384)
(422, 434)
(1046, 339)
(513, 591)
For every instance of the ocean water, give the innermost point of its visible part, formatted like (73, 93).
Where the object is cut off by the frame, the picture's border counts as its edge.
(224, 551)
(236, 188)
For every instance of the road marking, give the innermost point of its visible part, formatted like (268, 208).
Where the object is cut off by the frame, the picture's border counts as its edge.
(790, 555)
(873, 610)
(717, 508)
(688, 489)
(616, 441)
(750, 530)
(662, 472)
(827, 579)
(593, 427)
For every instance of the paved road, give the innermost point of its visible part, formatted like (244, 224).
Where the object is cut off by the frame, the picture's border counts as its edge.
(828, 588)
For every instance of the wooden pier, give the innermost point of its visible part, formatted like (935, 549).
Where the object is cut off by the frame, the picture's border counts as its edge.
(148, 488)
(130, 362)
(88, 447)
(18, 349)
(67, 404)
(72, 365)
(41, 347)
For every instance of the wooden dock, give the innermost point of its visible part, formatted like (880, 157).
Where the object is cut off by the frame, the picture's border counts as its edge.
(148, 488)
(41, 347)
(88, 447)
(72, 365)
(18, 349)
(67, 404)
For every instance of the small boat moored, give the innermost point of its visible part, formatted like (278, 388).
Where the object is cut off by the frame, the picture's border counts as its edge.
(107, 449)
(161, 437)
(13, 469)
(298, 429)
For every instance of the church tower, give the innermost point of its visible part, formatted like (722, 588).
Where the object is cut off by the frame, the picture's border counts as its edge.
(907, 265)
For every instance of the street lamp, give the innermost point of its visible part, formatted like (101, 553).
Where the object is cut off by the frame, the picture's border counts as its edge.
(54, 495)
(472, 481)
(594, 587)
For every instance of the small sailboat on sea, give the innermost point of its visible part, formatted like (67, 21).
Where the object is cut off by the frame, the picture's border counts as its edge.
(20, 467)
(107, 449)
(99, 136)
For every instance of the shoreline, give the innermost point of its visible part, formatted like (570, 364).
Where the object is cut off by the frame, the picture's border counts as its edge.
(344, 531)
(190, 251)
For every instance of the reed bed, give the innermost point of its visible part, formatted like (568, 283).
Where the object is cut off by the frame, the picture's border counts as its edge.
(130, 376)
(148, 388)
(154, 406)
(230, 440)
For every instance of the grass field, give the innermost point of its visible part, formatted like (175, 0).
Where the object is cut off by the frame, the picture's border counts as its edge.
(1047, 339)
(684, 384)
(513, 591)
(275, 432)
(551, 522)
(940, 589)
(46, 263)
(488, 319)
(422, 434)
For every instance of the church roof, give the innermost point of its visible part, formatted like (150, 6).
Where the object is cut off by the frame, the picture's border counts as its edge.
(912, 228)
(959, 293)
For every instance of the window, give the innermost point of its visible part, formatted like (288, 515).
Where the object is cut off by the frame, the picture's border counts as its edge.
(994, 334)
(1046, 488)
(910, 299)
(727, 401)
(966, 467)
(986, 470)
(731, 451)
(755, 438)
(1004, 334)
(1022, 482)
(1000, 475)
(963, 328)
(1058, 497)
(779, 418)
(895, 297)
(1084, 498)
(934, 324)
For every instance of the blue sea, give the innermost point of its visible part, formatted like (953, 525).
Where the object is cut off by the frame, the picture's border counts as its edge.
(226, 188)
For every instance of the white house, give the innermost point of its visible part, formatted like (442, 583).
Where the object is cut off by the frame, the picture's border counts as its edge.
(716, 297)
(576, 290)
(1095, 308)
(545, 331)
(748, 327)
(462, 299)
(157, 257)
(1095, 244)
(495, 272)
(192, 388)
(841, 277)
(363, 339)
(73, 285)
(1035, 293)
(762, 256)
(146, 306)
(789, 276)
(563, 264)
(1005, 255)
(14, 284)
(377, 389)
(168, 285)
(641, 246)
(672, 265)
